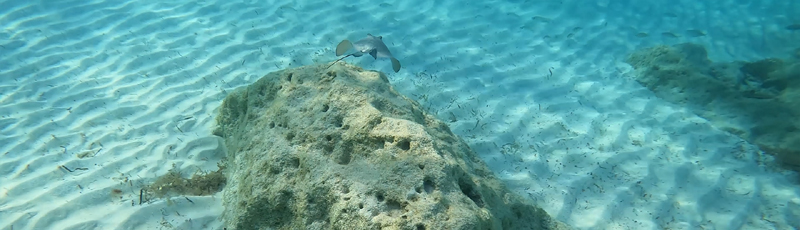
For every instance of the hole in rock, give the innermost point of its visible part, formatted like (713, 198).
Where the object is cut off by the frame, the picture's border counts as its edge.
(393, 205)
(338, 122)
(404, 144)
(294, 162)
(428, 185)
(343, 158)
(469, 190)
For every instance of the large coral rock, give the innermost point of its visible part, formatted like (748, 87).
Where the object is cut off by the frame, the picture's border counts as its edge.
(338, 148)
(759, 101)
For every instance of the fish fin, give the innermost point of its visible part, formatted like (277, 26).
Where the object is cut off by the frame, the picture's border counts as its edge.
(374, 53)
(395, 65)
(343, 47)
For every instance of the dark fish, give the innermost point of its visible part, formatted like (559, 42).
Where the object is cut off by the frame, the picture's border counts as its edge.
(541, 19)
(371, 45)
(793, 27)
(529, 26)
(641, 35)
(696, 33)
(669, 34)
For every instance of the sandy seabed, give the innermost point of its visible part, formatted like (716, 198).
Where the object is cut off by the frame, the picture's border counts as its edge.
(99, 96)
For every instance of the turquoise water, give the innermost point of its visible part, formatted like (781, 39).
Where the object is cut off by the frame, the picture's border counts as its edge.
(539, 88)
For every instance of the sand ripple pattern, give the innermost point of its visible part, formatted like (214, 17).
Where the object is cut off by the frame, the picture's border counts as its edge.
(541, 91)
(538, 87)
(132, 88)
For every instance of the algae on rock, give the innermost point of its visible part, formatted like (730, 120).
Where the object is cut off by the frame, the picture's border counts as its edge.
(338, 148)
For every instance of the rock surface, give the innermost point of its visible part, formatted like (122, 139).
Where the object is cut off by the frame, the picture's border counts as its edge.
(758, 101)
(310, 148)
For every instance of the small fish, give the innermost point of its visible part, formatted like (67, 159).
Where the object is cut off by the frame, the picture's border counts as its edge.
(529, 26)
(372, 45)
(669, 34)
(793, 27)
(541, 19)
(671, 15)
(696, 33)
(642, 35)
(286, 11)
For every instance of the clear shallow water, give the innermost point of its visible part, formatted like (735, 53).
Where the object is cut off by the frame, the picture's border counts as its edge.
(120, 78)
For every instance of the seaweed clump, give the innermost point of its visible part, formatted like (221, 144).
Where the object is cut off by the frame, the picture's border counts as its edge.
(199, 184)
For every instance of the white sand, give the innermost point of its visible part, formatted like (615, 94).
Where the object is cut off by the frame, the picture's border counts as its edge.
(136, 84)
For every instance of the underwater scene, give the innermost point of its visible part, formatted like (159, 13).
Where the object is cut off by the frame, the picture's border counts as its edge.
(421, 115)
